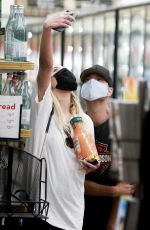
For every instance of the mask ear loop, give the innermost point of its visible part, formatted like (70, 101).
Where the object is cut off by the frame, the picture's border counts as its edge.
(56, 69)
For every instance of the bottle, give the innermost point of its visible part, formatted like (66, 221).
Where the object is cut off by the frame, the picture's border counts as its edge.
(21, 76)
(26, 106)
(83, 141)
(20, 36)
(8, 84)
(9, 33)
(14, 84)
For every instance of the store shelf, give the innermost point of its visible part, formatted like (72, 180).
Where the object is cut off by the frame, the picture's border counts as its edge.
(26, 133)
(8, 67)
(13, 66)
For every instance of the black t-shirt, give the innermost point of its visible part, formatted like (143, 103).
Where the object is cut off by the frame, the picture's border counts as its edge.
(97, 209)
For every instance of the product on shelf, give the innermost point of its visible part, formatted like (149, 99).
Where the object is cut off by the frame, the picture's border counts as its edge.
(16, 35)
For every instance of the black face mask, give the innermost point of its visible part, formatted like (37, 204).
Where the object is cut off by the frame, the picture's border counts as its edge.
(66, 80)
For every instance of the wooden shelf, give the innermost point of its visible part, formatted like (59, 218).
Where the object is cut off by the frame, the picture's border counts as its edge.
(26, 133)
(13, 66)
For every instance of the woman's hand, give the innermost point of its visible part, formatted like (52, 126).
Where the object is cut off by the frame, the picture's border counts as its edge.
(61, 19)
(86, 165)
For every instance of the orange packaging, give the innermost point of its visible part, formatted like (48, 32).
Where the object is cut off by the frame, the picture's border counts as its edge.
(84, 143)
(131, 87)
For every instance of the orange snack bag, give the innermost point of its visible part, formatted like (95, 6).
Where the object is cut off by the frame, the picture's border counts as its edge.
(84, 143)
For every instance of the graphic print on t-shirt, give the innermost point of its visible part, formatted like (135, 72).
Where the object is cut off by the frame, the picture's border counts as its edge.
(104, 155)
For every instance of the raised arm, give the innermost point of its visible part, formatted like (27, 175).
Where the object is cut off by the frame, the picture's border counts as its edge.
(61, 19)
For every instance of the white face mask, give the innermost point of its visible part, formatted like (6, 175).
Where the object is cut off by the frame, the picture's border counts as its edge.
(93, 90)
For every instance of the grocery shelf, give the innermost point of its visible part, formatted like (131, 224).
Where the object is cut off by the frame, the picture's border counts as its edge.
(8, 66)
(25, 133)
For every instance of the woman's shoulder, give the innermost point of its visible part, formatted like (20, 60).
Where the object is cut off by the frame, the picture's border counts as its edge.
(86, 118)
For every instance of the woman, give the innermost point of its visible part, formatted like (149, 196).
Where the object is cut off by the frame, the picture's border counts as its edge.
(65, 180)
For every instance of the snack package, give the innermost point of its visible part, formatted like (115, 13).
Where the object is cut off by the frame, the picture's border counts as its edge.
(84, 143)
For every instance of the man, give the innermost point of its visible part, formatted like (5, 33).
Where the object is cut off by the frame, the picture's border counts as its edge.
(101, 192)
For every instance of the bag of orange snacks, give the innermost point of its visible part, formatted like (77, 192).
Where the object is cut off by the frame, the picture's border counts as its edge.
(84, 143)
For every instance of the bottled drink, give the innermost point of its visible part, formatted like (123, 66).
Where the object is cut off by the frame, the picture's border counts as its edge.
(84, 143)
(8, 84)
(14, 84)
(20, 36)
(26, 106)
(9, 33)
(20, 76)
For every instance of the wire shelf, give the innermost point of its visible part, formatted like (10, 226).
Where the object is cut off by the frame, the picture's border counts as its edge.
(22, 178)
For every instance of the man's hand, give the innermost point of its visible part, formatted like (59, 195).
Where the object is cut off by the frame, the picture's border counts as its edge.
(123, 188)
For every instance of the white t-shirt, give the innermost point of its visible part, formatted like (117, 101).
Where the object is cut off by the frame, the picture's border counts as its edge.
(65, 178)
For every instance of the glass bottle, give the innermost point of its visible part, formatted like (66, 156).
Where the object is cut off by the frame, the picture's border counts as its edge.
(26, 106)
(20, 36)
(21, 76)
(84, 143)
(8, 84)
(14, 84)
(9, 33)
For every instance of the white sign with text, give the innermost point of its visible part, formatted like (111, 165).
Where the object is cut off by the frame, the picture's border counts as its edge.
(10, 112)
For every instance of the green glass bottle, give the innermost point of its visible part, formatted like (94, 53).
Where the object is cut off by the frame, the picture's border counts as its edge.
(9, 34)
(21, 77)
(8, 84)
(26, 106)
(20, 36)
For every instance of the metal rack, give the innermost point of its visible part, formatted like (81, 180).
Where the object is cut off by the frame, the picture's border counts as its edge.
(22, 176)
(21, 181)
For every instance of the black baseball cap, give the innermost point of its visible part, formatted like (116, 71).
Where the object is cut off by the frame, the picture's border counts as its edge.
(99, 70)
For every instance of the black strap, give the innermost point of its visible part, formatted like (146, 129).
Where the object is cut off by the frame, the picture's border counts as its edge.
(49, 119)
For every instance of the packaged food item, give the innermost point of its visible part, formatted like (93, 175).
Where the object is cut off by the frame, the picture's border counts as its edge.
(84, 143)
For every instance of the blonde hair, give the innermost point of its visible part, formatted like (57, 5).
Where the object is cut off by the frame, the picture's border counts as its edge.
(75, 107)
